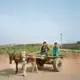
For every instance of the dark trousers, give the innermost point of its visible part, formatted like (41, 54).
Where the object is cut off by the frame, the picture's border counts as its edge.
(44, 53)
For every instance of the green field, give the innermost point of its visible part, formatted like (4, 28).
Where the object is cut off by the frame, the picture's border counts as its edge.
(30, 48)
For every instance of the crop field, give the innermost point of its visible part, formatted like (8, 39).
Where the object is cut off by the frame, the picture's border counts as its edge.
(32, 48)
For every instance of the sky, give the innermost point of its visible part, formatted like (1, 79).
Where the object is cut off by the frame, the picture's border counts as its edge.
(35, 21)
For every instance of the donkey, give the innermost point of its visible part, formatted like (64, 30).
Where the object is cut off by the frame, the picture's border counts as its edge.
(28, 59)
(16, 58)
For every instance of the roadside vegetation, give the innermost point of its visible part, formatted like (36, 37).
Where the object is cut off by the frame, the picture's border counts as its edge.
(30, 48)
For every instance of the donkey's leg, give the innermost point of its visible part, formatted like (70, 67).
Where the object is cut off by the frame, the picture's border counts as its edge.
(22, 67)
(33, 67)
(25, 65)
(16, 67)
(36, 67)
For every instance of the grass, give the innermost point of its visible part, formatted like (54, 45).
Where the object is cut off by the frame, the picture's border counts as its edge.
(30, 48)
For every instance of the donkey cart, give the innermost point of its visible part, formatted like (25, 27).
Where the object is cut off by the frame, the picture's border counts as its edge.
(55, 61)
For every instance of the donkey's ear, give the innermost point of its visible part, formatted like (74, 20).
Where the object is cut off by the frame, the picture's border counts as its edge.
(8, 53)
(13, 51)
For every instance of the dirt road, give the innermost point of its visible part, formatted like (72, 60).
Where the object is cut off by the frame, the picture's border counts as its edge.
(70, 71)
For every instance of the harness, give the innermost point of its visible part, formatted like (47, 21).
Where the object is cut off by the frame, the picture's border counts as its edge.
(24, 59)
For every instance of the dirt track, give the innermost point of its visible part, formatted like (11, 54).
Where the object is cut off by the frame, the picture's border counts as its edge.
(70, 71)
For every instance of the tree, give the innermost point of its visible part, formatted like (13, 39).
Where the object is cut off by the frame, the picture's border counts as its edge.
(78, 42)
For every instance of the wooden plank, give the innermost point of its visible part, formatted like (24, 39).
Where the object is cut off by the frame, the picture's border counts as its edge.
(51, 57)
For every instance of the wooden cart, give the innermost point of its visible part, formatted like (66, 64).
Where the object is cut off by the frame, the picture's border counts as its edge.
(55, 61)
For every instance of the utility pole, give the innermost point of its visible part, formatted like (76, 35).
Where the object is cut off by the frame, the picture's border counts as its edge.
(61, 39)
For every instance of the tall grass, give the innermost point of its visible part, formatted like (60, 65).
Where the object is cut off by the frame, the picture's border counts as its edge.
(30, 48)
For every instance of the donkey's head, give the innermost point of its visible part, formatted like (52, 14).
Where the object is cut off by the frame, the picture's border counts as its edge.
(11, 56)
(23, 53)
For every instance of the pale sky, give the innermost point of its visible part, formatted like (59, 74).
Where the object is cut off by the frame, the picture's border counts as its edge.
(31, 21)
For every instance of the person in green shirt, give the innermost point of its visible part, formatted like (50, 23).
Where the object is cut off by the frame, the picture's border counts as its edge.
(55, 50)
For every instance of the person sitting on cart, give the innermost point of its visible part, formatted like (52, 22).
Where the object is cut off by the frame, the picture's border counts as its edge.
(44, 49)
(55, 50)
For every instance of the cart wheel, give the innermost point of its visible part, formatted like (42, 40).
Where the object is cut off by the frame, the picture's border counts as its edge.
(57, 64)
